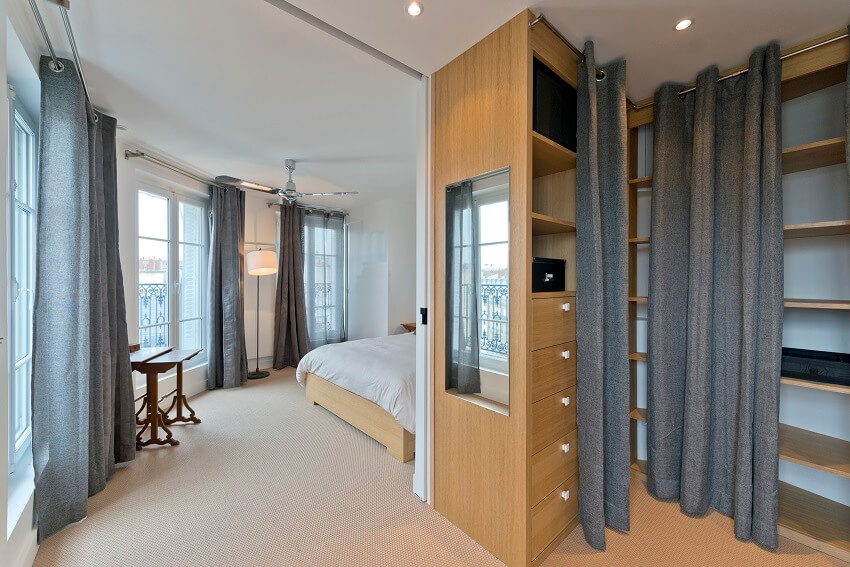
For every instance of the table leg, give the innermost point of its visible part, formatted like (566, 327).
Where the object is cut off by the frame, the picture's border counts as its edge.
(154, 418)
(180, 402)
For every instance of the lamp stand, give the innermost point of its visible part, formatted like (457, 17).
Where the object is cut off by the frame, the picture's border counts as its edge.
(257, 374)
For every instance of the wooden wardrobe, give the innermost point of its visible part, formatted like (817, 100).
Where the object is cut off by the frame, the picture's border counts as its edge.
(508, 476)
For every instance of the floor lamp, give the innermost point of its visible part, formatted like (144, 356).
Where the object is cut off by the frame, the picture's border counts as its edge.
(260, 263)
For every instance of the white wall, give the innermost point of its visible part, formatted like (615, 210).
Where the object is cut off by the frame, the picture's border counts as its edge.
(260, 232)
(382, 267)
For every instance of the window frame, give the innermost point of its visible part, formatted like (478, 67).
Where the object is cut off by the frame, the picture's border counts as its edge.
(19, 446)
(174, 198)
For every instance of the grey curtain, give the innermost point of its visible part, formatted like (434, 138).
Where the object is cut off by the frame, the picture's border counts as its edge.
(83, 414)
(324, 277)
(715, 297)
(228, 359)
(462, 298)
(291, 339)
(601, 301)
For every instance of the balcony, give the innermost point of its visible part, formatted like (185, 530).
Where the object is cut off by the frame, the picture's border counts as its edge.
(153, 315)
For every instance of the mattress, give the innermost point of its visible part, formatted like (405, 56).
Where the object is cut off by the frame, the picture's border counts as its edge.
(381, 369)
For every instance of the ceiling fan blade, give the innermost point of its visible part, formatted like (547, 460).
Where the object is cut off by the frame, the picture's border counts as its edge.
(329, 194)
(236, 182)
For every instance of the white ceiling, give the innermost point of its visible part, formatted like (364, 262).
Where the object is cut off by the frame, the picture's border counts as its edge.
(724, 32)
(234, 88)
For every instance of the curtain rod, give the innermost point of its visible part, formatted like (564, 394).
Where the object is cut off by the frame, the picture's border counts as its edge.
(55, 65)
(688, 90)
(312, 209)
(130, 154)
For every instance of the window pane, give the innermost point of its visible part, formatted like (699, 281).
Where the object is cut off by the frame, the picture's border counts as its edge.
(154, 336)
(153, 215)
(191, 334)
(23, 284)
(153, 282)
(24, 163)
(192, 224)
(191, 281)
(493, 219)
(21, 407)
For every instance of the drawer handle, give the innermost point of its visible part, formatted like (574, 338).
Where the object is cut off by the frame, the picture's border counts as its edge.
(565, 354)
(565, 447)
(565, 401)
(565, 306)
(565, 495)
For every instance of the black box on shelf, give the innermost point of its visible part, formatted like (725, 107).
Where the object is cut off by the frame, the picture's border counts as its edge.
(548, 274)
(816, 365)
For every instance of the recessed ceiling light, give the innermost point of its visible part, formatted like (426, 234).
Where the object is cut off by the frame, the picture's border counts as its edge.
(414, 8)
(683, 24)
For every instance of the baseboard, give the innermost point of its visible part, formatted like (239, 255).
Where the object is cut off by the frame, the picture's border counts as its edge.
(266, 363)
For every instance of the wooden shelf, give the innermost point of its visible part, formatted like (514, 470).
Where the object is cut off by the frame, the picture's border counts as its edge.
(639, 356)
(639, 240)
(548, 157)
(638, 414)
(640, 183)
(823, 523)
(838, 304)
(544, 224)
(814, 450)
(837, 388)
(812, 229)
(813, 156)
(640, 299)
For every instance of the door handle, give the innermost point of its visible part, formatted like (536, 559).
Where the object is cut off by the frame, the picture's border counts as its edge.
(565, 401)
(565, 306)
(565, 354)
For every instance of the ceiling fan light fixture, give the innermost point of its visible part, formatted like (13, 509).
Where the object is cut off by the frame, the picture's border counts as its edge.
(683, 24)
(414, 8)
(250, 185)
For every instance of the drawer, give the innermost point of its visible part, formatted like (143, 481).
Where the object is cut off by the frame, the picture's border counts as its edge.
(553, 514)
(552, 369)
(552, 418)
(553, 321)
(553, 465)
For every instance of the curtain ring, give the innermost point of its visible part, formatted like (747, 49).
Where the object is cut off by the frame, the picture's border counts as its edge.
(56, 66)
(600, 76)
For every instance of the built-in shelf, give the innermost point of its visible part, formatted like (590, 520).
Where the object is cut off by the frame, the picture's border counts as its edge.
(830, 228)
(548, 157)
(639, 240)
(812, 156)
(814, 450)
(837, 388)
(544, 224)
(840, 304)
(639, 356)
(638, 299)
(640, 183)
(638, 414)
(820, 520)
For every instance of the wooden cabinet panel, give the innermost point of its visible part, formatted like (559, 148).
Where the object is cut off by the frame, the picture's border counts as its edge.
(552, 514)
(552, 369)
(553, 321)
(553, 465)
(552, 418)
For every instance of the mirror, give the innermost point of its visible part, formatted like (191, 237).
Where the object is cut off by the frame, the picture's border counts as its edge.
(477, 289)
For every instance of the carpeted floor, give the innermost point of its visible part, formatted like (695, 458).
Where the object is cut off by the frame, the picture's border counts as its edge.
(267, 479)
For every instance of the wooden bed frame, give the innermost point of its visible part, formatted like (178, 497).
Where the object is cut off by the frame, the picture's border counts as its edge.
(366, 416)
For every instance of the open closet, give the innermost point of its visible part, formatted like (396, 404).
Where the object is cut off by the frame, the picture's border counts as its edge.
(505, 471)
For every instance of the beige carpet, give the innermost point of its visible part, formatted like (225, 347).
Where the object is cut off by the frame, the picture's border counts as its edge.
(267, 479)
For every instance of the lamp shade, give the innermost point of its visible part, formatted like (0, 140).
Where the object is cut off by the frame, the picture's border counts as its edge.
(261, 262)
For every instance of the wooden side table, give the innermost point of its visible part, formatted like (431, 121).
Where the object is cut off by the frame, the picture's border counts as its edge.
(180, 401)
(155, 418)
(409, 327)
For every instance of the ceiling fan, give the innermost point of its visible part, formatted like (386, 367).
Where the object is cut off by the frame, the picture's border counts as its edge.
(288, 193)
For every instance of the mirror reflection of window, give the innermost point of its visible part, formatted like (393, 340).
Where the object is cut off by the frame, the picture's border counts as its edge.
(477, 307)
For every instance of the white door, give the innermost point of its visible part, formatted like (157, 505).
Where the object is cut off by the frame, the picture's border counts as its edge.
(424, 239)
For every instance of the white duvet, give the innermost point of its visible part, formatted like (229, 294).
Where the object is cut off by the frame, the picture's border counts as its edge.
(382, 370)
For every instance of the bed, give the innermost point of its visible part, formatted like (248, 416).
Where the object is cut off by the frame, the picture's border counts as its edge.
(371, 384)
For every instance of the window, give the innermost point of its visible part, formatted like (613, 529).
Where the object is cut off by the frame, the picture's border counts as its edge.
(23, 166)
(493, 281)
(324, 277)
(172, 301)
